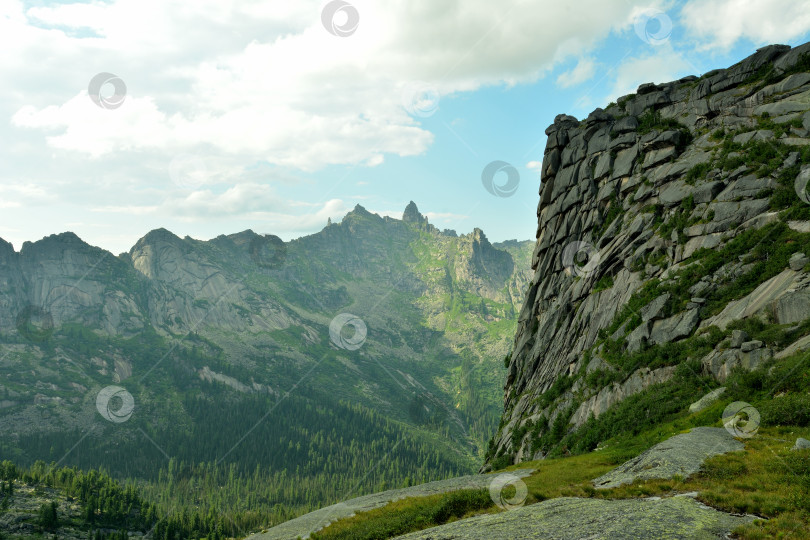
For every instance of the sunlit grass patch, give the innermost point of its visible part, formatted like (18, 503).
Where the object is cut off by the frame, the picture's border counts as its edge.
(407, 515)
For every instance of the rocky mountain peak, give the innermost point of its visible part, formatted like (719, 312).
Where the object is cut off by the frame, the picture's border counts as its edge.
(360, 210)
(54, 244)
(6, 247)
(158, 236)
(634, 200)
(412, 214)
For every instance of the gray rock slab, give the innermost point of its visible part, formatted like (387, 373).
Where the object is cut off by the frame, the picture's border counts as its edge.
(677, 326)
(570, 518)
(674, 193)
(798, 261)
(801, 444)
(638, 337)
(304, 525)
(801, 344)
(748, 186)
(749, 346)
(783, 284)
(624, 162)
(654, 309)
(707, 192)
(737, 212)
(738, 337)
(623, 125)
(708, 241)
(654, 157)
(707, 400)
(793, 307)
(681, 455)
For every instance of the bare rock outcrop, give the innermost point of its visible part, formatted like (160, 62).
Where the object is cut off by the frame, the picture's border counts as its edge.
(635, 194)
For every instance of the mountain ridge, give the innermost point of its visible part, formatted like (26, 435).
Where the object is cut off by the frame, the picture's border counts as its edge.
(196, 329)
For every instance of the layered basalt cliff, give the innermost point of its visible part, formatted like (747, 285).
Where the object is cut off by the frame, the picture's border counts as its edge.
(666, 216)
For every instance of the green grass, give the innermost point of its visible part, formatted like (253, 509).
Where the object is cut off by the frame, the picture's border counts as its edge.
(407, 515)
(614, 211)
(698, 172)
(604, 283)
(652, 119)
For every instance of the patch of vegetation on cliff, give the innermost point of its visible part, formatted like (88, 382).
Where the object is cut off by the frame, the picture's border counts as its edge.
(614, 211)
(768, 248)
(652, 119)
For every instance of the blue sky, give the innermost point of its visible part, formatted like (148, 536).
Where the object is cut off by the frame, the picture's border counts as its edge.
(245, 114)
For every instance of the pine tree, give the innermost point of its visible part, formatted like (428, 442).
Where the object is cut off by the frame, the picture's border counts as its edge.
(48, 518)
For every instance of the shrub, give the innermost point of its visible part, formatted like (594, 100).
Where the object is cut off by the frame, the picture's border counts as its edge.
(788, 410)
(605, 282)
(699, 171)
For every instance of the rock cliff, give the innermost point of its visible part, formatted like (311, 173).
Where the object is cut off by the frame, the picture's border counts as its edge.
(670, 215)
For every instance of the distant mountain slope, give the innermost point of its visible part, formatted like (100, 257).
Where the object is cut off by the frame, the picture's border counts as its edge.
(195, 331)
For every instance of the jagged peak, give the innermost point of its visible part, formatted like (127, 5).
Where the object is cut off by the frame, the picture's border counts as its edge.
(479, 237)
(244, 236)
(66, 238)
(360, 211)
(6, 247)
(158, 235)
(412, 214)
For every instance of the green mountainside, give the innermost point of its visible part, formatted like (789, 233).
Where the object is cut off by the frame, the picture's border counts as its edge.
(225, 371)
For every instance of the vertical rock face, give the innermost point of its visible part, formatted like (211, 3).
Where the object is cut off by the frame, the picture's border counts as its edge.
(483, 267)
(633, 194)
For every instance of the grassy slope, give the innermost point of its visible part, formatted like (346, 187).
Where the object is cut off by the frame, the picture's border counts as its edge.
(767, 479)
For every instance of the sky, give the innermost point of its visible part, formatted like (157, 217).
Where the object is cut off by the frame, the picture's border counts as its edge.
(210, 117)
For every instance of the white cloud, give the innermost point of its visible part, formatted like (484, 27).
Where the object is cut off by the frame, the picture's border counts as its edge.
(721, 23)
(260, 90)
(14, 195)
(535, 166)
(280, 89)
(583, 71)
(664, 65)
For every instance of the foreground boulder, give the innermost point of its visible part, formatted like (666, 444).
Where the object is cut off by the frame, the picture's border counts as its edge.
(679, 455)
(303, 526)
(573, 518)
